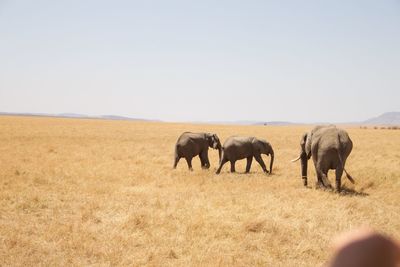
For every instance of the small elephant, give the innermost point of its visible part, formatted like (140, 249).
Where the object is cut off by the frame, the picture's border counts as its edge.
(329, 147)
(237, 147)
(190, 145)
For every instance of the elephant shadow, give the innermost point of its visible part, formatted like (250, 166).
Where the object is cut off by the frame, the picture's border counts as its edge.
(254, 173)
(351, 192)
(344, 191)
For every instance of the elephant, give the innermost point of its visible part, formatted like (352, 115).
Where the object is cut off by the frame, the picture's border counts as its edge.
(238, 147)
(190, 145)
(329, 147)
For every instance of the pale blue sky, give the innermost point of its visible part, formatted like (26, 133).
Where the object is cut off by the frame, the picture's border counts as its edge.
(302, 61)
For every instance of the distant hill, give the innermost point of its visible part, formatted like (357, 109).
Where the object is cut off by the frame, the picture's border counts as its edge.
(70, 115)
(277, 123)
(74, 116)
(121, 118)
(249, 123)
(388, 118)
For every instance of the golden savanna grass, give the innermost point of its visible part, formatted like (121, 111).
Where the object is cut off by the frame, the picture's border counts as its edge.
(95, 192)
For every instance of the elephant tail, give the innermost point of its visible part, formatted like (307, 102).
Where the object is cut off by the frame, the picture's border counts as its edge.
(349, 176)
(340, 152)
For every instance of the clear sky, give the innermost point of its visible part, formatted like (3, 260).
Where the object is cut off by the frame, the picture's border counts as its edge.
(302, 61)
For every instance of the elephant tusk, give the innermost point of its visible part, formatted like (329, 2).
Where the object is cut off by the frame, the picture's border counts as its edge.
(294, 160)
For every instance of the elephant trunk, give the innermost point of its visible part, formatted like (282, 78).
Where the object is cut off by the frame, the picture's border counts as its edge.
(304, 165)
(272, 161)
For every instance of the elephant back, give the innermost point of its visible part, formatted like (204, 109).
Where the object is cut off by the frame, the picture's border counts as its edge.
(320, 133)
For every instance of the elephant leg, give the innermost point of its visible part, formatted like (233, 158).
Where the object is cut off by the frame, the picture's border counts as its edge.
(318, 172)
(233, 166)
(322, 174)
(202, 161)
(319, 180)
(339, 172)
(207, 166)
(323, 178)
(249, 161)
(177, 158)
(320, 183)
(261, 162)
(189, 163)
(205, 163)
(223, 161)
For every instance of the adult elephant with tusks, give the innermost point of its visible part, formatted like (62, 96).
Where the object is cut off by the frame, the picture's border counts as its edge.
(238, 147)
(329, 147)
(190, 145)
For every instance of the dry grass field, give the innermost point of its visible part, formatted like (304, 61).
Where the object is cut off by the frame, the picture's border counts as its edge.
(95, 192)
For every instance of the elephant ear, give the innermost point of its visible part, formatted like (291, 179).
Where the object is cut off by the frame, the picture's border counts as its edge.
(257, 145)
(214, 138)
(210, 139)
(308, 141)
(303, 142)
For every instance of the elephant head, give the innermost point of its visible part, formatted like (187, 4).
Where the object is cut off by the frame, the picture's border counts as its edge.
(213, 142)
(263, 147)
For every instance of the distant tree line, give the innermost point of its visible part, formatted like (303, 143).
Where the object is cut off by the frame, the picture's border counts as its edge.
(382, 127)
